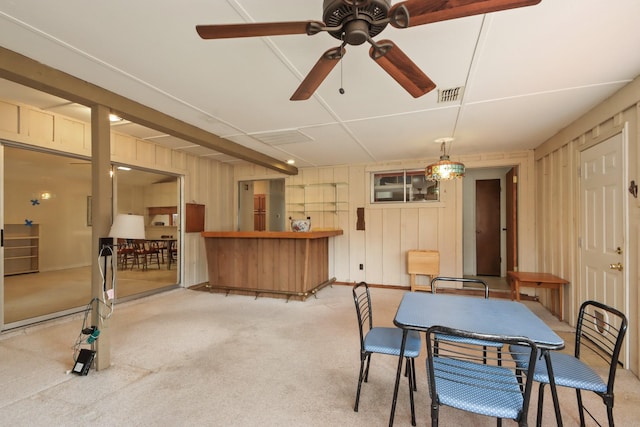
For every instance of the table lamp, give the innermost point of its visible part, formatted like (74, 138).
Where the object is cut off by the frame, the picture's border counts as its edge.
(127, 227)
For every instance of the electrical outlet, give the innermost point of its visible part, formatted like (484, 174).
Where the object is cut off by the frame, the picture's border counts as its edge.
(361, 266)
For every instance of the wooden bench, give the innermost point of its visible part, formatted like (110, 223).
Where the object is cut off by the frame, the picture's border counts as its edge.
(518, 279)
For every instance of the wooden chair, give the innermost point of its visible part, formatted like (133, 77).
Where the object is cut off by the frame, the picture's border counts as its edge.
(172, 253)
(126, 254)
(162, 248)
(152, 252)
(140, 255)
(422, 262)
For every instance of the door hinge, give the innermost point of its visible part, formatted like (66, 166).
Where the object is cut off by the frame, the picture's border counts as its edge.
(515, 179)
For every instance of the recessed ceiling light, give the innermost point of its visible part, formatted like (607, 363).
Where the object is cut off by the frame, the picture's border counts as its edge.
(113, 118)
(291, 161)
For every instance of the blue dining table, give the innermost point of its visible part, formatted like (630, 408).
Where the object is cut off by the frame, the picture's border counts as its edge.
(419, 311)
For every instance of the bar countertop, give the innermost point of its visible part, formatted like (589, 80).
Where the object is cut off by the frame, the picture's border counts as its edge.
(273, 234)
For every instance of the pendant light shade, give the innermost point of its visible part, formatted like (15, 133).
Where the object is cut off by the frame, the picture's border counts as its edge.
(444, 169)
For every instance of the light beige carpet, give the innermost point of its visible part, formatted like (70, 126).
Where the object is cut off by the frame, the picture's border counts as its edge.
(188, 358)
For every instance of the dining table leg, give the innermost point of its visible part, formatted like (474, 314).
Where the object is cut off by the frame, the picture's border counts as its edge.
(552, 386)
(398, 374)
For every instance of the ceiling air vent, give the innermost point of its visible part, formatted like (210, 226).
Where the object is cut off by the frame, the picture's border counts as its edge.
(450, 95)
(282, 137)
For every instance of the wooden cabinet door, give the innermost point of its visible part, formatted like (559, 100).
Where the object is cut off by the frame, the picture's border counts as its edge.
(194, 218)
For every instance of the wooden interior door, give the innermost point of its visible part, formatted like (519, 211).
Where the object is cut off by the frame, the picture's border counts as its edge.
(488, 227)
(512, 219)
(259, 212)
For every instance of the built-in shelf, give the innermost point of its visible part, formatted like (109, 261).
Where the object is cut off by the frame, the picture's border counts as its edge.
(21, 248)
(318, 197)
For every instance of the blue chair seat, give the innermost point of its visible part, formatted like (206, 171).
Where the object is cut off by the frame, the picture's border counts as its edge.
(567, 372)
(387, 341)
(475, 393)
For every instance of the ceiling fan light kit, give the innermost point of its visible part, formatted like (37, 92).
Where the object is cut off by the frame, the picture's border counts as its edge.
(355, 22)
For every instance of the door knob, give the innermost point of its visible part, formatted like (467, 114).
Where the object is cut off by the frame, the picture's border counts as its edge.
(617, 266)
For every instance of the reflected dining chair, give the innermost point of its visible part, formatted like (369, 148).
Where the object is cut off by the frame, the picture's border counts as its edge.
(140, 255)
(599, 335)
(485, 292)
(461, 377)
(152, 252)
(382, 340)
(126, 253)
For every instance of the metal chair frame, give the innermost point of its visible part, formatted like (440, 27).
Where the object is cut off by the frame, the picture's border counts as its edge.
(461, 378)
(484, 345)
(485, 287)
(600, 330)
(390, 340)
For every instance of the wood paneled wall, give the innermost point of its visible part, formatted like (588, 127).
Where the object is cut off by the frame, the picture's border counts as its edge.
(393, 229)
(558, 201)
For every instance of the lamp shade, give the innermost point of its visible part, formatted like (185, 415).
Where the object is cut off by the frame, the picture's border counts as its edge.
(444, 169)
(127, 227)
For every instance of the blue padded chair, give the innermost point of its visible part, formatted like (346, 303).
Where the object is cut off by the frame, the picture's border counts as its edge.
(485, 292)
(460, 376)
(600, 331)
(382, 340)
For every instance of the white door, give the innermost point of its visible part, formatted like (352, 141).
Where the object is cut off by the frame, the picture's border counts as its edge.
(603, 244)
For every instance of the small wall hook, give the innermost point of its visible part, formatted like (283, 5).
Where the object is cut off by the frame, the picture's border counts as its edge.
(633, 189)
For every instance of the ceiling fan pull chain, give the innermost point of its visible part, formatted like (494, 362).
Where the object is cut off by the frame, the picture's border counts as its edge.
(341, 90)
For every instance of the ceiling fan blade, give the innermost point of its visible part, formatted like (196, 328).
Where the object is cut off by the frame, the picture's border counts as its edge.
(228, 31)
(426, 11)
(318, 73)
(401, 68)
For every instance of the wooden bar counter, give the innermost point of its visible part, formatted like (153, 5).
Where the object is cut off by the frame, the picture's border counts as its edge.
(277, 264)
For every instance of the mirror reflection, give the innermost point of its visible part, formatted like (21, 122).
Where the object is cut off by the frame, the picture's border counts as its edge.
(261, 205)
(48, 249)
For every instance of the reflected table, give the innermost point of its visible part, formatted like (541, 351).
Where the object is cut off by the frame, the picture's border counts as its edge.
(418, 311)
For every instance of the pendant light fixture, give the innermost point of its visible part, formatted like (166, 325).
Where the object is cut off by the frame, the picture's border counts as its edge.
(444, 169)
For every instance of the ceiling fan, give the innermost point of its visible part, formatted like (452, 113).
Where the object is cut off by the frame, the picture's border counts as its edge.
(354, 22)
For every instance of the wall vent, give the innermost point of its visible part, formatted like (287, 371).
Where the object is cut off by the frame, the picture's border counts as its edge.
(450, 95)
